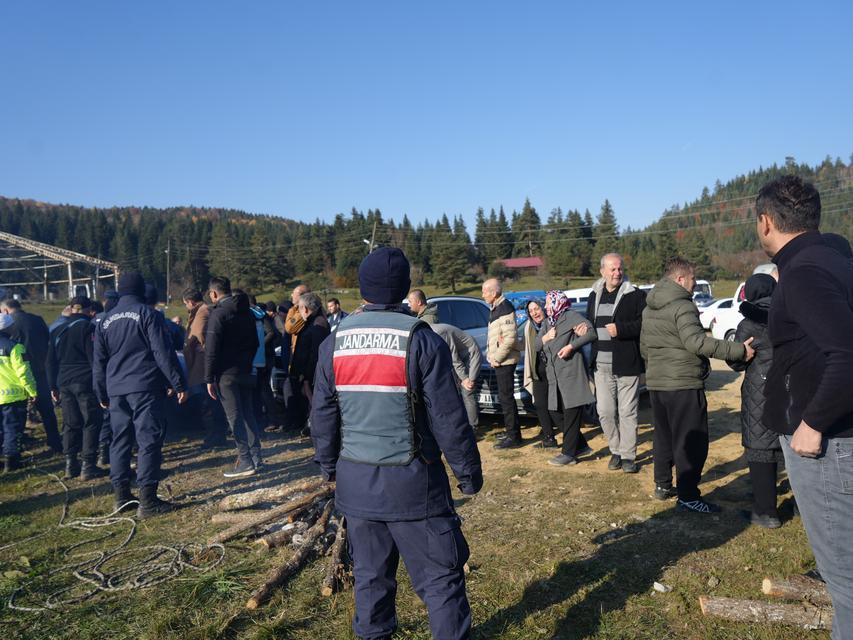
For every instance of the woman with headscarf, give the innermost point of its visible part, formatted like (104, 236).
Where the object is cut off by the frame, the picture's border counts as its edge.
(568, 382)
(763, 451)
(535, 374)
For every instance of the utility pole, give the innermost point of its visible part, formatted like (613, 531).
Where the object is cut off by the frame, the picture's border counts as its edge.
(168, 269)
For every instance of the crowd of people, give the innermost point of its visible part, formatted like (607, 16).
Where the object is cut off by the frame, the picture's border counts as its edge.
(386, 390)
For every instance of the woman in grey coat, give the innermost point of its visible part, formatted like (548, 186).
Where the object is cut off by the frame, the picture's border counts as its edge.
(568, 383)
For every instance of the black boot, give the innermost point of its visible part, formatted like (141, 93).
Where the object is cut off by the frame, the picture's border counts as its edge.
(72, 468)
(150, 505)
(91, 471)
(123, 496)
(104, 455)
(11, 463)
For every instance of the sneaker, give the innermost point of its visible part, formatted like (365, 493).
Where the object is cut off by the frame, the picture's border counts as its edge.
(241, 469)
(548, 443)
(615, 462)
(698, 506)
(762, 520)
(665, 493)
(509, 443)
(629, 466)
(562, 460)
(583, 452)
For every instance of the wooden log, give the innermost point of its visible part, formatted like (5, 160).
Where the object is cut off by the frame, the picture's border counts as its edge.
(282, 573)
(797, 588)
(335, 565)
(230, 518)
(268, 494)
(270, 514)
(284, 536)
(803, 615)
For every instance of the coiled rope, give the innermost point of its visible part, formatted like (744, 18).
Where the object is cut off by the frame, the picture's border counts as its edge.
(101, 570)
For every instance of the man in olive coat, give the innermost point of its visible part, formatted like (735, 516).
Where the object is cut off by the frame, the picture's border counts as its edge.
(676, 350)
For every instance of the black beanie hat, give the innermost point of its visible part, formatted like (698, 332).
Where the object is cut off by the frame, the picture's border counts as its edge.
(131, 284)
(383, 277)
(151, 294)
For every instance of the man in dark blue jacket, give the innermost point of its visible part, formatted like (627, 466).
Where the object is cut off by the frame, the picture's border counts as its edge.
(385, 408)
(229, 350)
(69, 371)
(807, 390)
(134, 367)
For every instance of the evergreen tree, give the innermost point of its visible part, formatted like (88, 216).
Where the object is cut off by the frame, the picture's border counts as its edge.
(526, 231)
(606, 231)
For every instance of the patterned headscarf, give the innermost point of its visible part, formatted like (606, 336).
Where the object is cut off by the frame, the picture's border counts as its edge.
(556, 303)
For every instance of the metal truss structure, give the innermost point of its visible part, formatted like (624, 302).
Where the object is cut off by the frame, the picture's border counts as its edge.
(35, 264)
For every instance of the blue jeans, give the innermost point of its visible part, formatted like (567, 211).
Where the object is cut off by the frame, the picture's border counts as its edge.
(823, 487)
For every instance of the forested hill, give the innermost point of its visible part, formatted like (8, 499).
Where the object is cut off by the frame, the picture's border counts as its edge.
(716, 231)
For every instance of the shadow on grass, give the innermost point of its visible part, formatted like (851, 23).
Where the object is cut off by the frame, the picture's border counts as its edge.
(628, 562)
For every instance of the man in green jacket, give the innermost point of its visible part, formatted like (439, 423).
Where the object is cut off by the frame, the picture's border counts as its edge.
(676, 350)
(17, 385)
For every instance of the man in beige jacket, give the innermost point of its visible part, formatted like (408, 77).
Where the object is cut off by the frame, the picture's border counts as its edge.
(200, 403)
(503, 353)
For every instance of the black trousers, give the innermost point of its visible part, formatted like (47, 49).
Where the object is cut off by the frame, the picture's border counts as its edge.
(762, 475)
(569, 421)
(540, 401)
(266, 408)
(505, 376)
(680, 439)
(82, 418)
(297, 405)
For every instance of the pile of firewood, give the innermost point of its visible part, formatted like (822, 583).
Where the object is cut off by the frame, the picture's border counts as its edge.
(303, 518)
(812, 611)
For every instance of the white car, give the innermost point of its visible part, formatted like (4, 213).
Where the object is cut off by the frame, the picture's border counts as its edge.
(725, 322)
(707, 313)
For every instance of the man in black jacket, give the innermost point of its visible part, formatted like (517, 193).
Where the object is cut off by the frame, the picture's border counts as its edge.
(615, 308)
(229, 349)
(134, 367)
(31, 331)
(808, 388)
(69, 372)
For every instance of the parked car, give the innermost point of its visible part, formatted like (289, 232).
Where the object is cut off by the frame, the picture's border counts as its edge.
(708, 312)
(725, 321)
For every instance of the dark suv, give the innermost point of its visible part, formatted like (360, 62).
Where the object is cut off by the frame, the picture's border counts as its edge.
(472, 316)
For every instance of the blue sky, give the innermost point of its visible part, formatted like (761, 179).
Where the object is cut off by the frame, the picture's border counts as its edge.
(307, 109)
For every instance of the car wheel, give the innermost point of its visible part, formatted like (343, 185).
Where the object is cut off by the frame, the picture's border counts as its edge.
(730, 335)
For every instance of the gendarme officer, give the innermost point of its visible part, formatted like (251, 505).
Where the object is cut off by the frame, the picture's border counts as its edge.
(386, 406)
(134, 366)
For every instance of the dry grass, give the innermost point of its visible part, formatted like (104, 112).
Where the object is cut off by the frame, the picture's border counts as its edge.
(556, 552)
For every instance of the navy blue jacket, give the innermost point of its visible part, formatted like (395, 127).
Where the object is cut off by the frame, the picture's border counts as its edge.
(420, 489)
(133, 352)
(32, 332)
(811, 314)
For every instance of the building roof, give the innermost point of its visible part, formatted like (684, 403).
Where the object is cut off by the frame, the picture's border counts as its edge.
(533, 262)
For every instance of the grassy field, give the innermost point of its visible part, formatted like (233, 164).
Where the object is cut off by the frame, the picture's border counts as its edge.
(555, 552)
